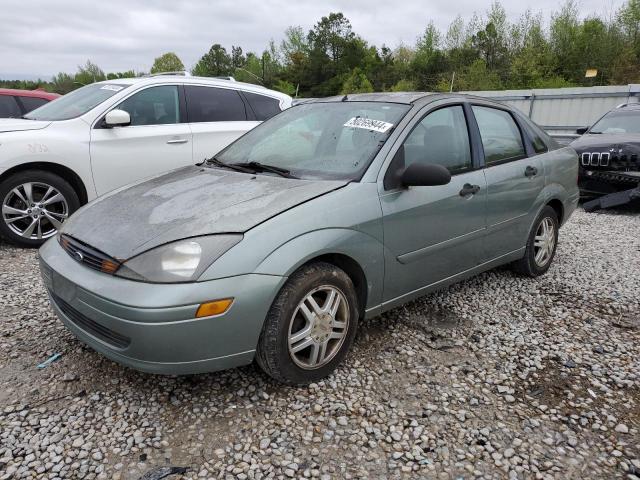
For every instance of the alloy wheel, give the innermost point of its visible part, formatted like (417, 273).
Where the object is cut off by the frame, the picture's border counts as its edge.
(544, 242)
(318, 327)
(34, 210)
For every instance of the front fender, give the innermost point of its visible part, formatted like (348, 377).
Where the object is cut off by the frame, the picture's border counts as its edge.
(364, 249)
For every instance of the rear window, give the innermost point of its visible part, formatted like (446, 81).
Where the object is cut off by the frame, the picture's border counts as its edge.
(500, 135)
(264, 107)
(9, 107)
(31, 103)
(210, 104)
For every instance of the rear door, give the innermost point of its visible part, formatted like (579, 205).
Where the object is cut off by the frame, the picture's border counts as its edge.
(156, 141)
(217, 116)
(514, 180)
(432, 233)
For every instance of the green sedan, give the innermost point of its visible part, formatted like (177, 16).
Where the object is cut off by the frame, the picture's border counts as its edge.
(331, 212)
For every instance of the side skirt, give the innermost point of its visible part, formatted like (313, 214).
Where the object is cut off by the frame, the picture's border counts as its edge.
(407, 297)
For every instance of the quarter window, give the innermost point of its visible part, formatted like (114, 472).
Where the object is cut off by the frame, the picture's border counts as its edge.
(441, 138)
(9, 108)
(153, 106)
(209, 104)
(540, 141)
(264, 107)
(501, 138)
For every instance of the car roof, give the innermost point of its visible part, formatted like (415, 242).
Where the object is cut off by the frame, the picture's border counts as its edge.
(216, 82)
(28, 93)
(408, 98)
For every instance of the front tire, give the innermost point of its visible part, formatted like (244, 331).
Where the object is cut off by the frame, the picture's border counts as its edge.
(35, 204)
(541, 245)
(310, 326)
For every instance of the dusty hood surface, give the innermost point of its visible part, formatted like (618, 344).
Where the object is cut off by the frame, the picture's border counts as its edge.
(185, 203)
(19, 124)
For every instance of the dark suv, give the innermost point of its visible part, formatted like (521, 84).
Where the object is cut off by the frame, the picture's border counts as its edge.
(609, 152)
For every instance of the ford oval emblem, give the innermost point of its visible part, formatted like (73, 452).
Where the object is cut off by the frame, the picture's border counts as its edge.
(78, 256)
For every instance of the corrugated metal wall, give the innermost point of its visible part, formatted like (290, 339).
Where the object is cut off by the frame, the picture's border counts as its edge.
(561, 110)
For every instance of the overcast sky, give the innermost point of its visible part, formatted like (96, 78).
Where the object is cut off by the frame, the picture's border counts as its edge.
(40, 37)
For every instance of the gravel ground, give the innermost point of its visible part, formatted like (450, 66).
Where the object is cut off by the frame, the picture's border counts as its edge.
(498, 377)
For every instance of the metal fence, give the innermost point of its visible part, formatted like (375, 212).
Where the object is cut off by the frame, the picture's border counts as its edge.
(560, 111)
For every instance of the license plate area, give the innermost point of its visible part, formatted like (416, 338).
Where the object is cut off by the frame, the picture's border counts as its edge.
(63, 288)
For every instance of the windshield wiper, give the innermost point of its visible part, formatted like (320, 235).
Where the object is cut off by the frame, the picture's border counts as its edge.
(257, 166)
(219, 164)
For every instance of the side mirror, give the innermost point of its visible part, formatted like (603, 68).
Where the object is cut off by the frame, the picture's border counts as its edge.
(582, 130)
(422, 175)
(117, 118)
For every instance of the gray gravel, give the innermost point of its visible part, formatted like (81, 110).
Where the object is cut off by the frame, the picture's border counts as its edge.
(498, 377)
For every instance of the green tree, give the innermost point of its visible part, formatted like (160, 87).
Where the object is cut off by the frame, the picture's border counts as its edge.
(237, 58)
(356, 82)
(63, 83)
(404, 86)
(215, 63)
(167, 62)
(89, 73)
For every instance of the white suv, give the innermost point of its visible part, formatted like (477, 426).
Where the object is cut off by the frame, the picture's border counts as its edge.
(112, 133)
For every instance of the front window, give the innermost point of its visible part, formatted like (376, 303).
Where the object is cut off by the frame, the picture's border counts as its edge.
(334, 140)
(619, 121)
(153, 106)
(441, 138)
(76, 103)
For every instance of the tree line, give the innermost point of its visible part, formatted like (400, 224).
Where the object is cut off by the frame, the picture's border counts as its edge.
(484, 52)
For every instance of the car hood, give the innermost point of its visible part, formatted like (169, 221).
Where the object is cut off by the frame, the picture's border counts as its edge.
(185, 203)
(19, 124)
(605, 141)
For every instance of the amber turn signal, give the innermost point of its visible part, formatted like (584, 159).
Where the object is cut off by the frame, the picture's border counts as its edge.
(216, 307)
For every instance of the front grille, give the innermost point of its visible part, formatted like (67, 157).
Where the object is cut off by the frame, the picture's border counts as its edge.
(615, 161)
(88, 256)
(94, 328)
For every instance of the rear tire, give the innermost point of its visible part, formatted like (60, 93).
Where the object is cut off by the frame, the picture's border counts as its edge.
(34, 204)
(541, 245)
(310, 326)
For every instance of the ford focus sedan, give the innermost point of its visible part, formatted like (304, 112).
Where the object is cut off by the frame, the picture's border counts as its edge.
(329, 213)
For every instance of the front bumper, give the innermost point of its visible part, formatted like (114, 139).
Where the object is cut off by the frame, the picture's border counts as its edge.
(152, 327)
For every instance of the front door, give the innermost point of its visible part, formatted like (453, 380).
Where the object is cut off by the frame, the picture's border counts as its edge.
(155, 142)
(514, 181)
(432, 233)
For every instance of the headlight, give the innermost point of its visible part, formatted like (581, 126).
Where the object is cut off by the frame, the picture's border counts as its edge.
(182, 261)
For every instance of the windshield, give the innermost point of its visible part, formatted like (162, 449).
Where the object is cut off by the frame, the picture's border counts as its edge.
(619, 121)
(76, 103)
(333, 140)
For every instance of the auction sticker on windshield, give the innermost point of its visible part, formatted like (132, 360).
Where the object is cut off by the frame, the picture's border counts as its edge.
(369, 124)
(113, 88)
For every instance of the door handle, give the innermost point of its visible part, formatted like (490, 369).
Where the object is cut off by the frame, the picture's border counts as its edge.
(530, 171)
(177, 140)
(468, 189)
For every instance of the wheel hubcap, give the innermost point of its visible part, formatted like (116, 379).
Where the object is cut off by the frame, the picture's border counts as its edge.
(544, 242)
(318, 327)
(34, 210)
